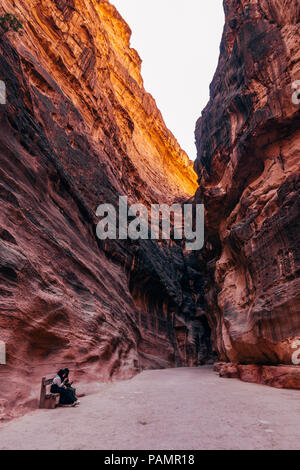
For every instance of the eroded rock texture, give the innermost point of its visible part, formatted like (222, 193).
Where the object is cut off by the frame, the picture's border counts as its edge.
(248, 141)
(79, 130)
(281, 376)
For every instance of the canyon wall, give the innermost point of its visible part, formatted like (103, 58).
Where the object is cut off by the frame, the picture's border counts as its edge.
(248, 143)
(78, 130)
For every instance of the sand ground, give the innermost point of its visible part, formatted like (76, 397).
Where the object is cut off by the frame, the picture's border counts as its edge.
(176, 409)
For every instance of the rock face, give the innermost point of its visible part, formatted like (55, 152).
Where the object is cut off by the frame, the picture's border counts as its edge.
(248, 142)
(281, 376)
(79, 130)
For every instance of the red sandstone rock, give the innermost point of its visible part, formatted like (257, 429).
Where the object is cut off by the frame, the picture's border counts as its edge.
(218, 365)
(79, 130)
(250, 373)
(281, 376)
(230, 371)
(248, 141)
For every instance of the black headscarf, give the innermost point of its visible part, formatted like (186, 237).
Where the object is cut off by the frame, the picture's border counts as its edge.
(61, 373)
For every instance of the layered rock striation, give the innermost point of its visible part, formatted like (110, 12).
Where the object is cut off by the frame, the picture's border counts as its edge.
(78, 130)
(248, 142)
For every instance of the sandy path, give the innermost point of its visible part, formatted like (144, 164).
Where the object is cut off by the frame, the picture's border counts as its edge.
(166, 409)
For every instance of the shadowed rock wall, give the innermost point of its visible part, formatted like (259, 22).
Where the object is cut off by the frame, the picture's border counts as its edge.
(248, 142)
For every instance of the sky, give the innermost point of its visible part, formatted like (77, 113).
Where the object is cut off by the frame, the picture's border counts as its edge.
(178, 42)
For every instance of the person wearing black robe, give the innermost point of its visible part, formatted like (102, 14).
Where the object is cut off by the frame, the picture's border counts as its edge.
(68, 383)
(67, 396)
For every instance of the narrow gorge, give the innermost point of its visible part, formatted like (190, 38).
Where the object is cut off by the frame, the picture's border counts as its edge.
(78, 130)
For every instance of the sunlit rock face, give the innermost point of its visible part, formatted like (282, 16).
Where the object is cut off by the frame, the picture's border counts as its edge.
(248, 142)
(79, 130)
